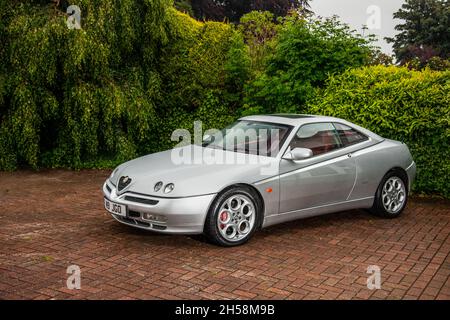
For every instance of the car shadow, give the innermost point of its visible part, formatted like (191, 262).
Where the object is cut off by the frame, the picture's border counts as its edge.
(156, 238)
(189, 241)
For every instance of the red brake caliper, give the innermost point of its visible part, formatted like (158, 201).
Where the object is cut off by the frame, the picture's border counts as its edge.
(223, 217)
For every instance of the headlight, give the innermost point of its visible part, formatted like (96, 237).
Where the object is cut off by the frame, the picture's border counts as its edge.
(169, 187)
(113, 173)
(158, 186)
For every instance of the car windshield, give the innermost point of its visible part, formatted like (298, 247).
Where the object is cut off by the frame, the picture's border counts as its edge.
(250, 137)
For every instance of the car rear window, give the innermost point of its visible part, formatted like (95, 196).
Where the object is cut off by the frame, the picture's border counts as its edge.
(349, 135)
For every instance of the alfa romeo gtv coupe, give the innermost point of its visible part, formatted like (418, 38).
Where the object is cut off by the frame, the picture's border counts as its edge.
(261, 171)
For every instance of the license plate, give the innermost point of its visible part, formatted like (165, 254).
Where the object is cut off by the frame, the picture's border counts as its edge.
(116, 208)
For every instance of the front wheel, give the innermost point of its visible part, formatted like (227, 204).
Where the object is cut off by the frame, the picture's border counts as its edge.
(233, 217)
(392, 195)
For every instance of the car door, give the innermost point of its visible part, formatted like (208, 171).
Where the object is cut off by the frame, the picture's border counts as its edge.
(325, 178)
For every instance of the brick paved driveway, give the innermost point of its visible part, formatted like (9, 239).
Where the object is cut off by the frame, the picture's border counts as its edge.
(53, 219)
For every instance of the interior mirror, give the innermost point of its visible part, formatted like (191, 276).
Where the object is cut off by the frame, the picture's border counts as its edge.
(298, 154)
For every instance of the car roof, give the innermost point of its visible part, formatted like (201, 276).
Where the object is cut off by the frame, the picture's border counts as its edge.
(299, 119)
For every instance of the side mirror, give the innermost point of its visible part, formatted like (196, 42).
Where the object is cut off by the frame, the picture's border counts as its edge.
(207, 138)
(298, 154)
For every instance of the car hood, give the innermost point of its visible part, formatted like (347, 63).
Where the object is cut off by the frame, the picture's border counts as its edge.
(206, 171)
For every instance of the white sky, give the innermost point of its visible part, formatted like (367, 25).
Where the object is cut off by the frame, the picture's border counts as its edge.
(355, 13)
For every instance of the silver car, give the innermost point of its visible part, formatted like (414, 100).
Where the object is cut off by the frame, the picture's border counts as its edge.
(260, 171)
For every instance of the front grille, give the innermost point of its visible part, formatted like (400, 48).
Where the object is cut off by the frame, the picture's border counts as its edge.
(108, 188)
(141, 200)
(128, 220)
(142, 223)
(134, 214)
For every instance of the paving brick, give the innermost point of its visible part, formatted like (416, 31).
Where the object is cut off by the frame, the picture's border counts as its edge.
(60, 221)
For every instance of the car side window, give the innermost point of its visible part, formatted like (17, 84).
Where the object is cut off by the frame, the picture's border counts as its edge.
(349, 135)
(319, 137)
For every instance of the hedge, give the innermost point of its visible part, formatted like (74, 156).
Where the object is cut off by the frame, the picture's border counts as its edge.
(113, 90)
(399, 104)
(306, 52)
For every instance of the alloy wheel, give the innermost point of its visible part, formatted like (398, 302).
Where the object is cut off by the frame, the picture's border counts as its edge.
(236, 217)
(393, 195)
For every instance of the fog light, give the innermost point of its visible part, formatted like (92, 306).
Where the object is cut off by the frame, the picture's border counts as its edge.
(154, 217)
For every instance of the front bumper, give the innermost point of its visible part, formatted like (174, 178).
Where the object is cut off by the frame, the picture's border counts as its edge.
(182, 215)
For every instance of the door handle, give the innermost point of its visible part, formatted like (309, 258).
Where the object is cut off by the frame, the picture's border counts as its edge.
(349, 155)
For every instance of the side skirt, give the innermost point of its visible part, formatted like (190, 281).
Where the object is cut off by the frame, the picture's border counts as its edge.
(317, 211)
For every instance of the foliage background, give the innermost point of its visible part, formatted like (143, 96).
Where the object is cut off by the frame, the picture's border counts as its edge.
(137, 70)
(404, 105)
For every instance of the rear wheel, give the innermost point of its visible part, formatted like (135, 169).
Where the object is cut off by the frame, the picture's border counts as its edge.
(392, 195)
(233, 217)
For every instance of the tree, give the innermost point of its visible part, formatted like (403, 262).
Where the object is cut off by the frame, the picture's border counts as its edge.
(306, 53)
(115, 89)
(424, 32)
(233, 10)
(208, 10)
(378, 57)
(184, 6)
(259, 29)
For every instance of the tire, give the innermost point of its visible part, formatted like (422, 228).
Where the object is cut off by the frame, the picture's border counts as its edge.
(233, 217)
(392, 195)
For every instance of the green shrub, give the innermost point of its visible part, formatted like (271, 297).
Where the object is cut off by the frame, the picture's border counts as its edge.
(399, 104)
(194, 60)
(306, 52)
(114, 89)
(203, 70)
(259, 30)
(73, 96)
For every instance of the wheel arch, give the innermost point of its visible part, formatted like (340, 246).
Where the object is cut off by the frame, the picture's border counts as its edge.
(393, 169)
(404, 175)
(244, 185)
(377, 207)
